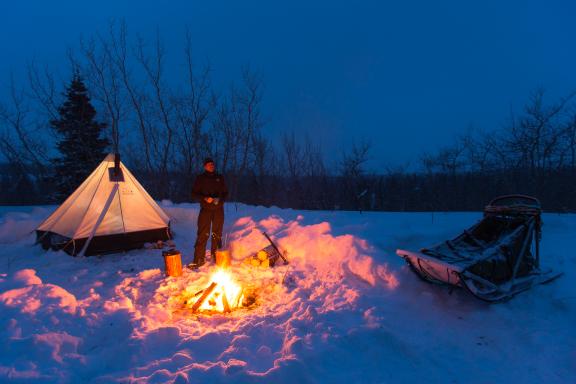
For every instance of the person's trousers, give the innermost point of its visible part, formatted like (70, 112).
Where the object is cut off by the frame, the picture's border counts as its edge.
(208, 218)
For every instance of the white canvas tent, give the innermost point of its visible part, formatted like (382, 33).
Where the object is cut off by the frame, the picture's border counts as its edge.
(109, 212)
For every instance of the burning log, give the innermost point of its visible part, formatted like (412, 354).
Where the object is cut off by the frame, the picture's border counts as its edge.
(225, 303)
(222, 295)
(204, 296)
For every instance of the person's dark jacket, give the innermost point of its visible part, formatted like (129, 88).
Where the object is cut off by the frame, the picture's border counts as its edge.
(210, 184)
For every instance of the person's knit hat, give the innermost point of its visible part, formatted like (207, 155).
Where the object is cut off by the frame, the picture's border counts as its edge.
(208, 160)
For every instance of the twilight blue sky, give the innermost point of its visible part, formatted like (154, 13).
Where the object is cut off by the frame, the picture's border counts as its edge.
(406, 75)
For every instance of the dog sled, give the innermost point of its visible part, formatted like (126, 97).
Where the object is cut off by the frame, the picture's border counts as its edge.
(496, 258)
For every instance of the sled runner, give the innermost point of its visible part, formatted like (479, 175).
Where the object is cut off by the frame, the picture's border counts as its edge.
(496, 258)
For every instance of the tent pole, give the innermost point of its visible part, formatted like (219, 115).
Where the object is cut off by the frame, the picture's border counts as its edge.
(71, 204)
(100, 218)
(116, 163)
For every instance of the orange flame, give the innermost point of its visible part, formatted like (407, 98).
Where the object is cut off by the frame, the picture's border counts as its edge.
(227, 294)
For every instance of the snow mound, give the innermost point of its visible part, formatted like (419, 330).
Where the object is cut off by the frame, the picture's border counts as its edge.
(345, 308)
(297, 303)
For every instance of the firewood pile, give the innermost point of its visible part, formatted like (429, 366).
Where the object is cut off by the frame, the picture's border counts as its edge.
(264, 258)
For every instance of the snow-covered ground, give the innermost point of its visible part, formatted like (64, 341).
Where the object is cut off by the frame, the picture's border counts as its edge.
(346, 308)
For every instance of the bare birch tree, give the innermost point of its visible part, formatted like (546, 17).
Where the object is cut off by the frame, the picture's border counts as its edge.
(104, 80)
(21, 138)
(193, 110)
(237, 123)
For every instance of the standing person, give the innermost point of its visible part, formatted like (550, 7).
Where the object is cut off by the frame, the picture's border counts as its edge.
(210, 190)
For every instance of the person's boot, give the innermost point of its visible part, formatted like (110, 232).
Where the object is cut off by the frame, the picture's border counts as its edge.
(196, 265)
(198, 262)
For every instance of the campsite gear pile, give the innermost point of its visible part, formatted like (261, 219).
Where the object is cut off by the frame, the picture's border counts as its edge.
(495, 258)
(109, 212)
(267, 256)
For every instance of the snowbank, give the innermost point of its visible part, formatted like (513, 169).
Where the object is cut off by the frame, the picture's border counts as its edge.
(345, 309)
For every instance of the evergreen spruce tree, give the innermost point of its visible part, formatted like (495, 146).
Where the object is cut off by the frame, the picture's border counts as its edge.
(81, 144)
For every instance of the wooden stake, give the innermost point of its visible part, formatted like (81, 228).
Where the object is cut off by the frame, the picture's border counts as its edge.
(204, 296)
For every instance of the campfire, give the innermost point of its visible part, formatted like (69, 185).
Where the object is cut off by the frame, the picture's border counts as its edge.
(223, 294)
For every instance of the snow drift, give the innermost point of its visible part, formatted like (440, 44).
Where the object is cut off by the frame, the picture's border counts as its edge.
(344, 310)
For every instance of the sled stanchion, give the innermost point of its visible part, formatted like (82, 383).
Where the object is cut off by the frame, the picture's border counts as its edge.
(524, 248)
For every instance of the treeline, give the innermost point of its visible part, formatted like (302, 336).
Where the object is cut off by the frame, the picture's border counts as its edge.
(533, 153)
(165, 128)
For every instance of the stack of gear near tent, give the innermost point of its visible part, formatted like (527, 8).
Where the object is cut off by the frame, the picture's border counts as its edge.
(110, 212)
(494, 259)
